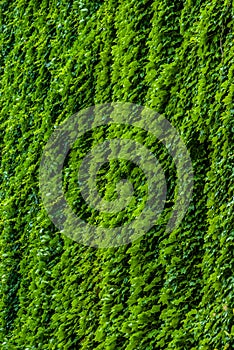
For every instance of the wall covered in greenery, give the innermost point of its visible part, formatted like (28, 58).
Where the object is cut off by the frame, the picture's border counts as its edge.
(163, 291)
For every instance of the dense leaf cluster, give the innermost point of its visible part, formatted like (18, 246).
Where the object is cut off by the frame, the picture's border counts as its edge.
(164, 291)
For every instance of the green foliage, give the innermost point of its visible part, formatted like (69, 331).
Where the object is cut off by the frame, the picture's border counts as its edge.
(164, 291)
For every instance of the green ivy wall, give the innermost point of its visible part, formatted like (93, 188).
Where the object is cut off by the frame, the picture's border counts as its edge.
(164, 291)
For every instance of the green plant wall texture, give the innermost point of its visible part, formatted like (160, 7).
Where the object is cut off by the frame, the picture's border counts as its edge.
(163, 291)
